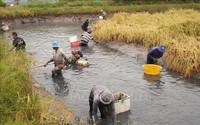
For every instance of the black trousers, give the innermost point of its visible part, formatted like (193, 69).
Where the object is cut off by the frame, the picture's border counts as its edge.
(82, 44)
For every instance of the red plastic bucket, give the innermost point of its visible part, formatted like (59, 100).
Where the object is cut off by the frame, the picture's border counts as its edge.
(74, 41)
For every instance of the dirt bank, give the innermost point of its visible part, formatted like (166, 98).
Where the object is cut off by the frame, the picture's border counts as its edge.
(67, 19)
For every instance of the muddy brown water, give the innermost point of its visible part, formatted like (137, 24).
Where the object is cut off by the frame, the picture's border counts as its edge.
(174, 101)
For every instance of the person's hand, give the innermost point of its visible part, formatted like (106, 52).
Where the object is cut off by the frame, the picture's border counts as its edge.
(45, 65)
(21, 42)
(155, 60)
(96, 41)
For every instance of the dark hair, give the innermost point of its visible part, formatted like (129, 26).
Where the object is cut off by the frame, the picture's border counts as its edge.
(14, 33)
(80, 53)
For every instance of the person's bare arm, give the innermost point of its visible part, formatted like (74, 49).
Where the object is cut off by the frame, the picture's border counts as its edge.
(51, 60)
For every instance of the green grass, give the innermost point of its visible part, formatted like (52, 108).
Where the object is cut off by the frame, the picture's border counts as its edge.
(20, 104)
(17, 98)
(84, 7)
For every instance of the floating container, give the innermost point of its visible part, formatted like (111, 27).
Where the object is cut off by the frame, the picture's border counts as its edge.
(122, 102)
(74, 41)
(83, 63)
(151, 69)
(100, 17)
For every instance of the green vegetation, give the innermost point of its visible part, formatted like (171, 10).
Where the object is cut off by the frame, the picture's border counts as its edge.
(156, 1)
(2, 4)
(179, 30)
(84, 7)
(20, 105)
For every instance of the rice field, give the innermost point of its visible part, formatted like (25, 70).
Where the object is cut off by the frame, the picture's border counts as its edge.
(177, 29)
(83, 7)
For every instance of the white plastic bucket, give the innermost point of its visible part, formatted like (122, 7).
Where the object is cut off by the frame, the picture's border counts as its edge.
(101, 17)
(74, 41)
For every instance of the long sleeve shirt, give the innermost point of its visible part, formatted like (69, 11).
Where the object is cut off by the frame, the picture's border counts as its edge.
(153, 53)
(19, 44)
(106, 111)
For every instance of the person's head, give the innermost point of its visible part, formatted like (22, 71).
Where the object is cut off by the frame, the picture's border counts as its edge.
(101, 10)
(87, 20)
(162, 49)
(89, 30)
(55, 45)
(77, 54)
(14, 35)
(106, 97)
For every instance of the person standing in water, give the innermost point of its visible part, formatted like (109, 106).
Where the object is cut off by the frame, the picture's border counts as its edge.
(85, 25)
(58, 59)
(85, 38)
(18, 43)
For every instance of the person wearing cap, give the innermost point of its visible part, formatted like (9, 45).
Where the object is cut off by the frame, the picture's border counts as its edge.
(18, 43)
(155, 53)
(76, 55)
(89, 30)
(101, 97)
(58, 59)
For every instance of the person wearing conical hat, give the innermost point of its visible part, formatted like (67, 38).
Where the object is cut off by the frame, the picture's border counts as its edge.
(101, 98)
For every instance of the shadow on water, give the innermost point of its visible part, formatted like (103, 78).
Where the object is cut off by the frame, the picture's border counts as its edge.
(122, 119)
(61, 85)
(86, 49)
(154, 81)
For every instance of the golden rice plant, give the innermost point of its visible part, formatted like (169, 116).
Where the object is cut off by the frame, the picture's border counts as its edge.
(178, 30)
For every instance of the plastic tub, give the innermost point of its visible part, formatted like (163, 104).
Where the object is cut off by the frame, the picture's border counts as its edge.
(122, 102)
(74, 41)
(151, 69)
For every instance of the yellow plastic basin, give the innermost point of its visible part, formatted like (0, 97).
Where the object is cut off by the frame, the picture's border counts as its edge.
(152, 69)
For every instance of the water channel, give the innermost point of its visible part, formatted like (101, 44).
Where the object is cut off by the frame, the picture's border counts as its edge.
(176, 102)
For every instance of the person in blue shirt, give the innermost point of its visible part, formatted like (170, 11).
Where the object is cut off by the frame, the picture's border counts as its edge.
(155, 53)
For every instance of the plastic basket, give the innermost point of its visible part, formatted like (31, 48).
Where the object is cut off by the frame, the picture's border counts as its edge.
(74, 41)
(122, 102)
(151, 69)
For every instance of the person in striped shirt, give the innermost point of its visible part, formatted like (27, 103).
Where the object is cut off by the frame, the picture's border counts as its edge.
(85, 38)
